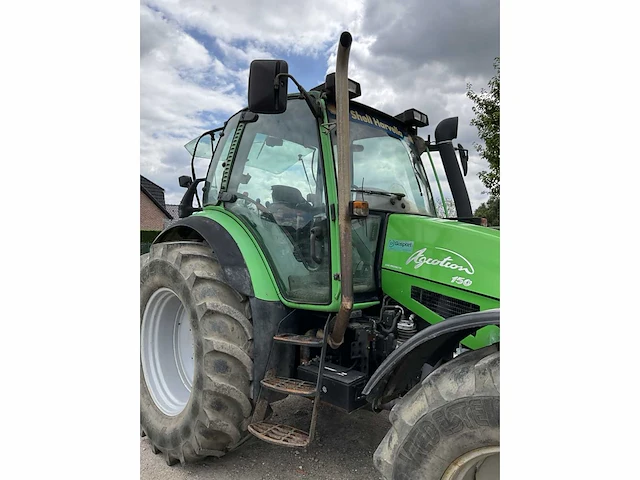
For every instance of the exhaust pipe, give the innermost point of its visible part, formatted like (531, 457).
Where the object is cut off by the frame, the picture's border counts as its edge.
(344, 191)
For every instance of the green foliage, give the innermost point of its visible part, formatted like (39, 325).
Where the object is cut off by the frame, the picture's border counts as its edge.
(490, 210)
(487, 121)
(451, 207)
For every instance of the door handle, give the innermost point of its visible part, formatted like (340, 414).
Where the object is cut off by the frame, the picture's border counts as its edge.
(316, 234)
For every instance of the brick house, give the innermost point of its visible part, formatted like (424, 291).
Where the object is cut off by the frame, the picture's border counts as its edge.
(153, 211)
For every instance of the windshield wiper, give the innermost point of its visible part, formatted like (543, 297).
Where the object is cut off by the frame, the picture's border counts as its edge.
(416, 171)
(379, 192)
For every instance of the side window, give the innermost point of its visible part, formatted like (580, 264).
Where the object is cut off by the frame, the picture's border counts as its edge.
(214, 175)
(278, 179)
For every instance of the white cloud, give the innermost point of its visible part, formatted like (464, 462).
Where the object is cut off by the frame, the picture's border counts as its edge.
(290, 25)
(164, 43)
(180, 83)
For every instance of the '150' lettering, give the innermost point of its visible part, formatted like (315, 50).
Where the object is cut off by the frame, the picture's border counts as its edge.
(461, 281)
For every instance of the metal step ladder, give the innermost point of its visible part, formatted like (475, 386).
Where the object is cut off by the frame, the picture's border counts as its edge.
(286, 435)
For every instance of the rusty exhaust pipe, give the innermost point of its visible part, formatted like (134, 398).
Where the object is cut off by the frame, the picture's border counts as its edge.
(344, 191)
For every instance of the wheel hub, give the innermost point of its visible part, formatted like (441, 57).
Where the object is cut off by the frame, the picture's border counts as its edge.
(167, 351)
(480, 464)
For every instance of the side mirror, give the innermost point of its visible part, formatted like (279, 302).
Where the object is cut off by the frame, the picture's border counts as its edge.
(185, 181)
(464, 159)
(267, 91)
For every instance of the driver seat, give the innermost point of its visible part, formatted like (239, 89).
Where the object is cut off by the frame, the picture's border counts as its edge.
(289, 196)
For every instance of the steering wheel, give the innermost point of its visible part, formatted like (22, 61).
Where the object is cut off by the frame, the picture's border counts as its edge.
(261, 208)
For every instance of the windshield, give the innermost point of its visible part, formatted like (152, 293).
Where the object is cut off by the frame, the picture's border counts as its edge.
(385, 162)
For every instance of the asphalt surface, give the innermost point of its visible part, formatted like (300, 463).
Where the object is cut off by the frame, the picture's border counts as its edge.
(343, 449)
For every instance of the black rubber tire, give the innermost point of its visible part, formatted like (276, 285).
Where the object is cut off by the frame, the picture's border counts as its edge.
(454, 410)
(219, 408)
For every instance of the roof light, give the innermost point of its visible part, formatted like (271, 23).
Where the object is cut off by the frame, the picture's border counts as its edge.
(413, 118)
(329, 86)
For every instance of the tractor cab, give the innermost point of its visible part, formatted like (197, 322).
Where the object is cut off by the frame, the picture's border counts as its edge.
(278, 173)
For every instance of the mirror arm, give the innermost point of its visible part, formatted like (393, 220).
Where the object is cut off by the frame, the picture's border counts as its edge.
(464, 158)
(185, 209)
(313, 104)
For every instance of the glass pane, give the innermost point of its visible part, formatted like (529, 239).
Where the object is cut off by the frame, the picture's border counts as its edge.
(364, 233)
(384, 161)
(204, 147)
(277, 175)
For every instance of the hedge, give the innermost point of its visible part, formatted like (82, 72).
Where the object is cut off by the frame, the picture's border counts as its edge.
(148, 236)
(146, 239)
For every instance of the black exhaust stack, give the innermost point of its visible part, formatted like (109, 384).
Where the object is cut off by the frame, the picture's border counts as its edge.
(445, 132)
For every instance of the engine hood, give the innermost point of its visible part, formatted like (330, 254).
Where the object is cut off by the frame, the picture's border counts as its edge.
(448, 252)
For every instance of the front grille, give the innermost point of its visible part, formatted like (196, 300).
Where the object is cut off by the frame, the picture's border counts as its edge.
(441, 304)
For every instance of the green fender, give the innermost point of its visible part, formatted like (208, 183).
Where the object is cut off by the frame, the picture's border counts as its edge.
(245, 267)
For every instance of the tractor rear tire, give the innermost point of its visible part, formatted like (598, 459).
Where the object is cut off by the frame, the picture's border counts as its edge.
(195, 382)
(447, 426)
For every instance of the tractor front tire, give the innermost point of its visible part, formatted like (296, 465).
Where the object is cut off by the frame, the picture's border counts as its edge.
(196, 354)
(448, 426)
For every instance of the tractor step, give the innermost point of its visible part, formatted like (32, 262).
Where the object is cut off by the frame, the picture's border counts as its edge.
(290, 386)
(278, 434)
(304, 340)
(286, 435)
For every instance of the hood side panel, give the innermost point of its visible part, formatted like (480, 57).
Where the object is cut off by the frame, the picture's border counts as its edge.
(401, 288)
(451, 253)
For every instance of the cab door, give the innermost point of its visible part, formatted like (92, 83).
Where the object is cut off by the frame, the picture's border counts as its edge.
(277, 188)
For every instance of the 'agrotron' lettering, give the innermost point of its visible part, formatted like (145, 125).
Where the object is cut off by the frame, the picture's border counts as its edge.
(420, 259)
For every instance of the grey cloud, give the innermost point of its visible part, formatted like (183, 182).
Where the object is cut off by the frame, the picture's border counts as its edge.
(463, 34)
(422, 55)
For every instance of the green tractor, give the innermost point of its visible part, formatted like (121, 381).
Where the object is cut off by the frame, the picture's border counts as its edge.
(354, 293)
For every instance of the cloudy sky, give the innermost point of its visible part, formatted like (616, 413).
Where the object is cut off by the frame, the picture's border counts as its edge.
(195, 56)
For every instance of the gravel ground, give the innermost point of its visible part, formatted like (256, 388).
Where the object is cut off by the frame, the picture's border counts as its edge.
(343, 449)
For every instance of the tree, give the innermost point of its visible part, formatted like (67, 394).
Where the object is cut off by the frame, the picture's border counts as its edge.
(487, 121)
(490, 210)
(451, 207)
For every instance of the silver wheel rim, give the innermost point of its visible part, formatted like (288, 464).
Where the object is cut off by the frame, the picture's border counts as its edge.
(480, 464)
(167, 351)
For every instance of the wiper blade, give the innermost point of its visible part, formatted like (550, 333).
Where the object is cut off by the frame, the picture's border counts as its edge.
(417, 172)
(379, 192)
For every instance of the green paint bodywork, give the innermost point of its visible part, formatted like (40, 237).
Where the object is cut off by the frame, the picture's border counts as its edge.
(444, 256)
(264, 285)
(473, 251)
